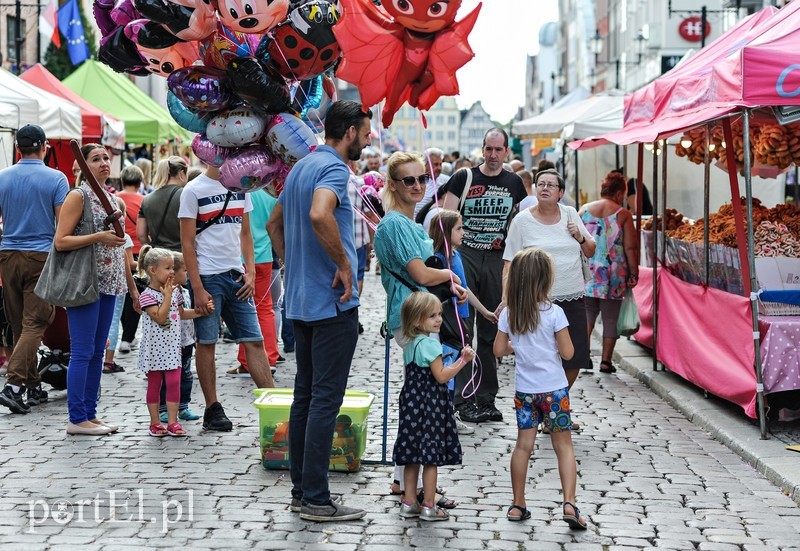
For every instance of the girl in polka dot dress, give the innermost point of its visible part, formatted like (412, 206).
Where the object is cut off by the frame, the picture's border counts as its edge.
(160, 348)
(537, 331)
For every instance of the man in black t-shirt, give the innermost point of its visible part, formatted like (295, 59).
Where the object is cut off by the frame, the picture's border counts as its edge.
(488, 207)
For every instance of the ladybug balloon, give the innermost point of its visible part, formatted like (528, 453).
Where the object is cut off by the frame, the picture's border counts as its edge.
(304, 45)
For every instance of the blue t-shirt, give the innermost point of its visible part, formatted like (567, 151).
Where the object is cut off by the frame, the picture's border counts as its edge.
(457, 267)
(263, 203)
(309, 271)
(29, 193)
(398, 241)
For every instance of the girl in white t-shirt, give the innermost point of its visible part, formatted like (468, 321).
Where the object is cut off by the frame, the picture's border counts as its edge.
(536, 330)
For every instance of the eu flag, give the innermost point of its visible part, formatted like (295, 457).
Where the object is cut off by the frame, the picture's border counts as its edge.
(70, 25)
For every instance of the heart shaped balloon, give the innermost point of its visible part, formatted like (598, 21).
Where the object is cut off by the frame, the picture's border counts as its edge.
(249, 169)
(210, 153)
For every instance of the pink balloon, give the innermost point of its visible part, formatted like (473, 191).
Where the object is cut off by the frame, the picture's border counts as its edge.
(210, 153)
(249, 169)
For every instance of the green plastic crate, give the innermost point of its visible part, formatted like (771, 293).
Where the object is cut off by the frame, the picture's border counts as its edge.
(349, 439)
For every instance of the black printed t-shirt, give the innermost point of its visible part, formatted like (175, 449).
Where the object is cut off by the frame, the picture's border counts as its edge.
(489, 207)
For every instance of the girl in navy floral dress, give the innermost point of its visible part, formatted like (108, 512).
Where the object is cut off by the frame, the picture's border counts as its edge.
(427, 433)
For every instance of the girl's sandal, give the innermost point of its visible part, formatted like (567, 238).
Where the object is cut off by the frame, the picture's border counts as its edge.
(433, 514)
(574, 521)
(175, 429)
(607, 367)
(158, 430)
(441, 501)
(524, 514)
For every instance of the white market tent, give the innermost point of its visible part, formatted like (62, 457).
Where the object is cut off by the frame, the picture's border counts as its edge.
(601, 112)
(22, 103)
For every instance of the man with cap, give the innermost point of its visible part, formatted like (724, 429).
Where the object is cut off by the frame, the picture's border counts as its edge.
(31, 195)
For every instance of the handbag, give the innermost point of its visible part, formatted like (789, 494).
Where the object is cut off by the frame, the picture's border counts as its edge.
(453, 326)
(69, 278)
(587, 272)
(628, 321)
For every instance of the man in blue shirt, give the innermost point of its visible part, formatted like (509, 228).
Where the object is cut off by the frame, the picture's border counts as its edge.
(31, 195)
(311, 228)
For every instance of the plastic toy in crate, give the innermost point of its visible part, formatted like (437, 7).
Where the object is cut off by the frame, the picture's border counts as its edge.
(349, 438)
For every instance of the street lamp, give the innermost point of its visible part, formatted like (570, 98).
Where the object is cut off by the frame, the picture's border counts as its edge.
(596, 47)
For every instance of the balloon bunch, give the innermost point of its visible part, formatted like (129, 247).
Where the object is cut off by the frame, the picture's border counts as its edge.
(248, 76)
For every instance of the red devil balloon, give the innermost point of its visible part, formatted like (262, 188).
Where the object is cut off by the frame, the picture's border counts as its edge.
(407, 51)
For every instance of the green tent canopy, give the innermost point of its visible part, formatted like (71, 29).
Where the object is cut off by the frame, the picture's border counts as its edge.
(145, 120)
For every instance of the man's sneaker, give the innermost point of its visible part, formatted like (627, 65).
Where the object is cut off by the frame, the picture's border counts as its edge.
(297, 503)
(360, 329)
(330, 513)
(462, 427)
(280, 360)
(469, 413)
(13, 400)
(215, 419)
(491, 412)
(124, 347)
(36, 396)
(134, 343)
(228, 337)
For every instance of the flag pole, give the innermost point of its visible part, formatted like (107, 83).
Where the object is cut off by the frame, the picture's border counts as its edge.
(38, 36)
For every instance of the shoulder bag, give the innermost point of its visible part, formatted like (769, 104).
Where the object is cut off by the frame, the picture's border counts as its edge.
(587, 272)
(69, 278)
(465, 192)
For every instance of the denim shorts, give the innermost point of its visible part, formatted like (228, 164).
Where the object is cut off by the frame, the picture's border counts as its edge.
(550, 408)
(239, 315)
(361, 254)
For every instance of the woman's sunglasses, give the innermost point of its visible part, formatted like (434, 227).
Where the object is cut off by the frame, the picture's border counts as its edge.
(409, 181)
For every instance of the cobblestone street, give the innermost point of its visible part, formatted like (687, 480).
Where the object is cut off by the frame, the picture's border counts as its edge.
(647, 476)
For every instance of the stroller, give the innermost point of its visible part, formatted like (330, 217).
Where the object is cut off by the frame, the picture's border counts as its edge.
(55, 359)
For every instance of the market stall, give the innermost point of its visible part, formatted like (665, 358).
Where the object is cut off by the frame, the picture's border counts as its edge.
(735, 79)
(146, 122)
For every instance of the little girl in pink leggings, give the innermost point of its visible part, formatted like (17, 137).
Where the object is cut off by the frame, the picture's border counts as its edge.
(160, 349)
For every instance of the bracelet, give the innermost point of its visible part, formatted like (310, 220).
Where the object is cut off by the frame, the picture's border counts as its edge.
(582, 242)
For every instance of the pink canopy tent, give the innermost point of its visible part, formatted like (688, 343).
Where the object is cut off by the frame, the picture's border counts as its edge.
(709, 85)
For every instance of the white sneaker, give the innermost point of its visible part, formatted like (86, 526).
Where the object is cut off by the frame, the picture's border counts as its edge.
(124, 347)
(134, 343)
(462, 427)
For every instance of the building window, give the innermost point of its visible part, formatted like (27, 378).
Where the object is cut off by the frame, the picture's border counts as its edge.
(451, 136)
(439, 120)
(11, 38)
(439, 136)
(427, 135)
(401, 134)
(451, 120)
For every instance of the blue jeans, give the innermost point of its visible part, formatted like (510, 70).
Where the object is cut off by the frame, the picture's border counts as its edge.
(113, 331)
(88, 333)
(287, 331)
(239, 315)
(324, 353)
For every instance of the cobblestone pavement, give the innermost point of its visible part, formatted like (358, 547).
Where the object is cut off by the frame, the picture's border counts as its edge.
(647, 477)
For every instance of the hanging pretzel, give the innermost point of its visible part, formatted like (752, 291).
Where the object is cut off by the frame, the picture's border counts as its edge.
(113, 214)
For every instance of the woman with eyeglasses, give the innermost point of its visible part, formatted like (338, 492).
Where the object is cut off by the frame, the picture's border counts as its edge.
(401, 247)
(557, 229)
(615, 264)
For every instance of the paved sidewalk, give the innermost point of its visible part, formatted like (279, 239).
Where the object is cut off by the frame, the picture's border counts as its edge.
(648, 477)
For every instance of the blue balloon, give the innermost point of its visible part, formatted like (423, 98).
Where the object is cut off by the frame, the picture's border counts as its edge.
(307, 95)
(183, 116)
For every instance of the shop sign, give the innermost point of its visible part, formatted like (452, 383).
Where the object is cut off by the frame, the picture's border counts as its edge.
(668, 62)
(690, 29)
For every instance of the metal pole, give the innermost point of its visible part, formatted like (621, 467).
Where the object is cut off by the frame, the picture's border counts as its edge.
(38, 38)
(664, 150)
(618, 84)
(706, 207)
(18, 31)
(748, 186)
(654, 255)
(577, 185)
(703, 20)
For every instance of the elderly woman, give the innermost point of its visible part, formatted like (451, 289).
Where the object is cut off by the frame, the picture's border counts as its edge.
(557, 229)
(615, 264)
(158, 222)
(402, 247)
(89, 324)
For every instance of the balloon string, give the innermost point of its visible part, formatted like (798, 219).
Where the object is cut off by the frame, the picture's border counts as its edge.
(294, 77)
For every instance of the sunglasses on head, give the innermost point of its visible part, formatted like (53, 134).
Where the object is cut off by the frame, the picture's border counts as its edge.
(409, 181)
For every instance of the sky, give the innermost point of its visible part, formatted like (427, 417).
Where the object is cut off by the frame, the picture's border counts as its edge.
(505, 33)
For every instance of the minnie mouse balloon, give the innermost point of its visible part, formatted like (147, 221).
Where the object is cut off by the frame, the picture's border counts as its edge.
(249, 169)
(183, 116)
(201, 88)
(237, 127)
(252, 16)
(161, 52)
(210, 153)
(304, 45)
(290, 138)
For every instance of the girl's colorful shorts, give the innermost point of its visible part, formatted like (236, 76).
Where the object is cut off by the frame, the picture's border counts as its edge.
(550, 408)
